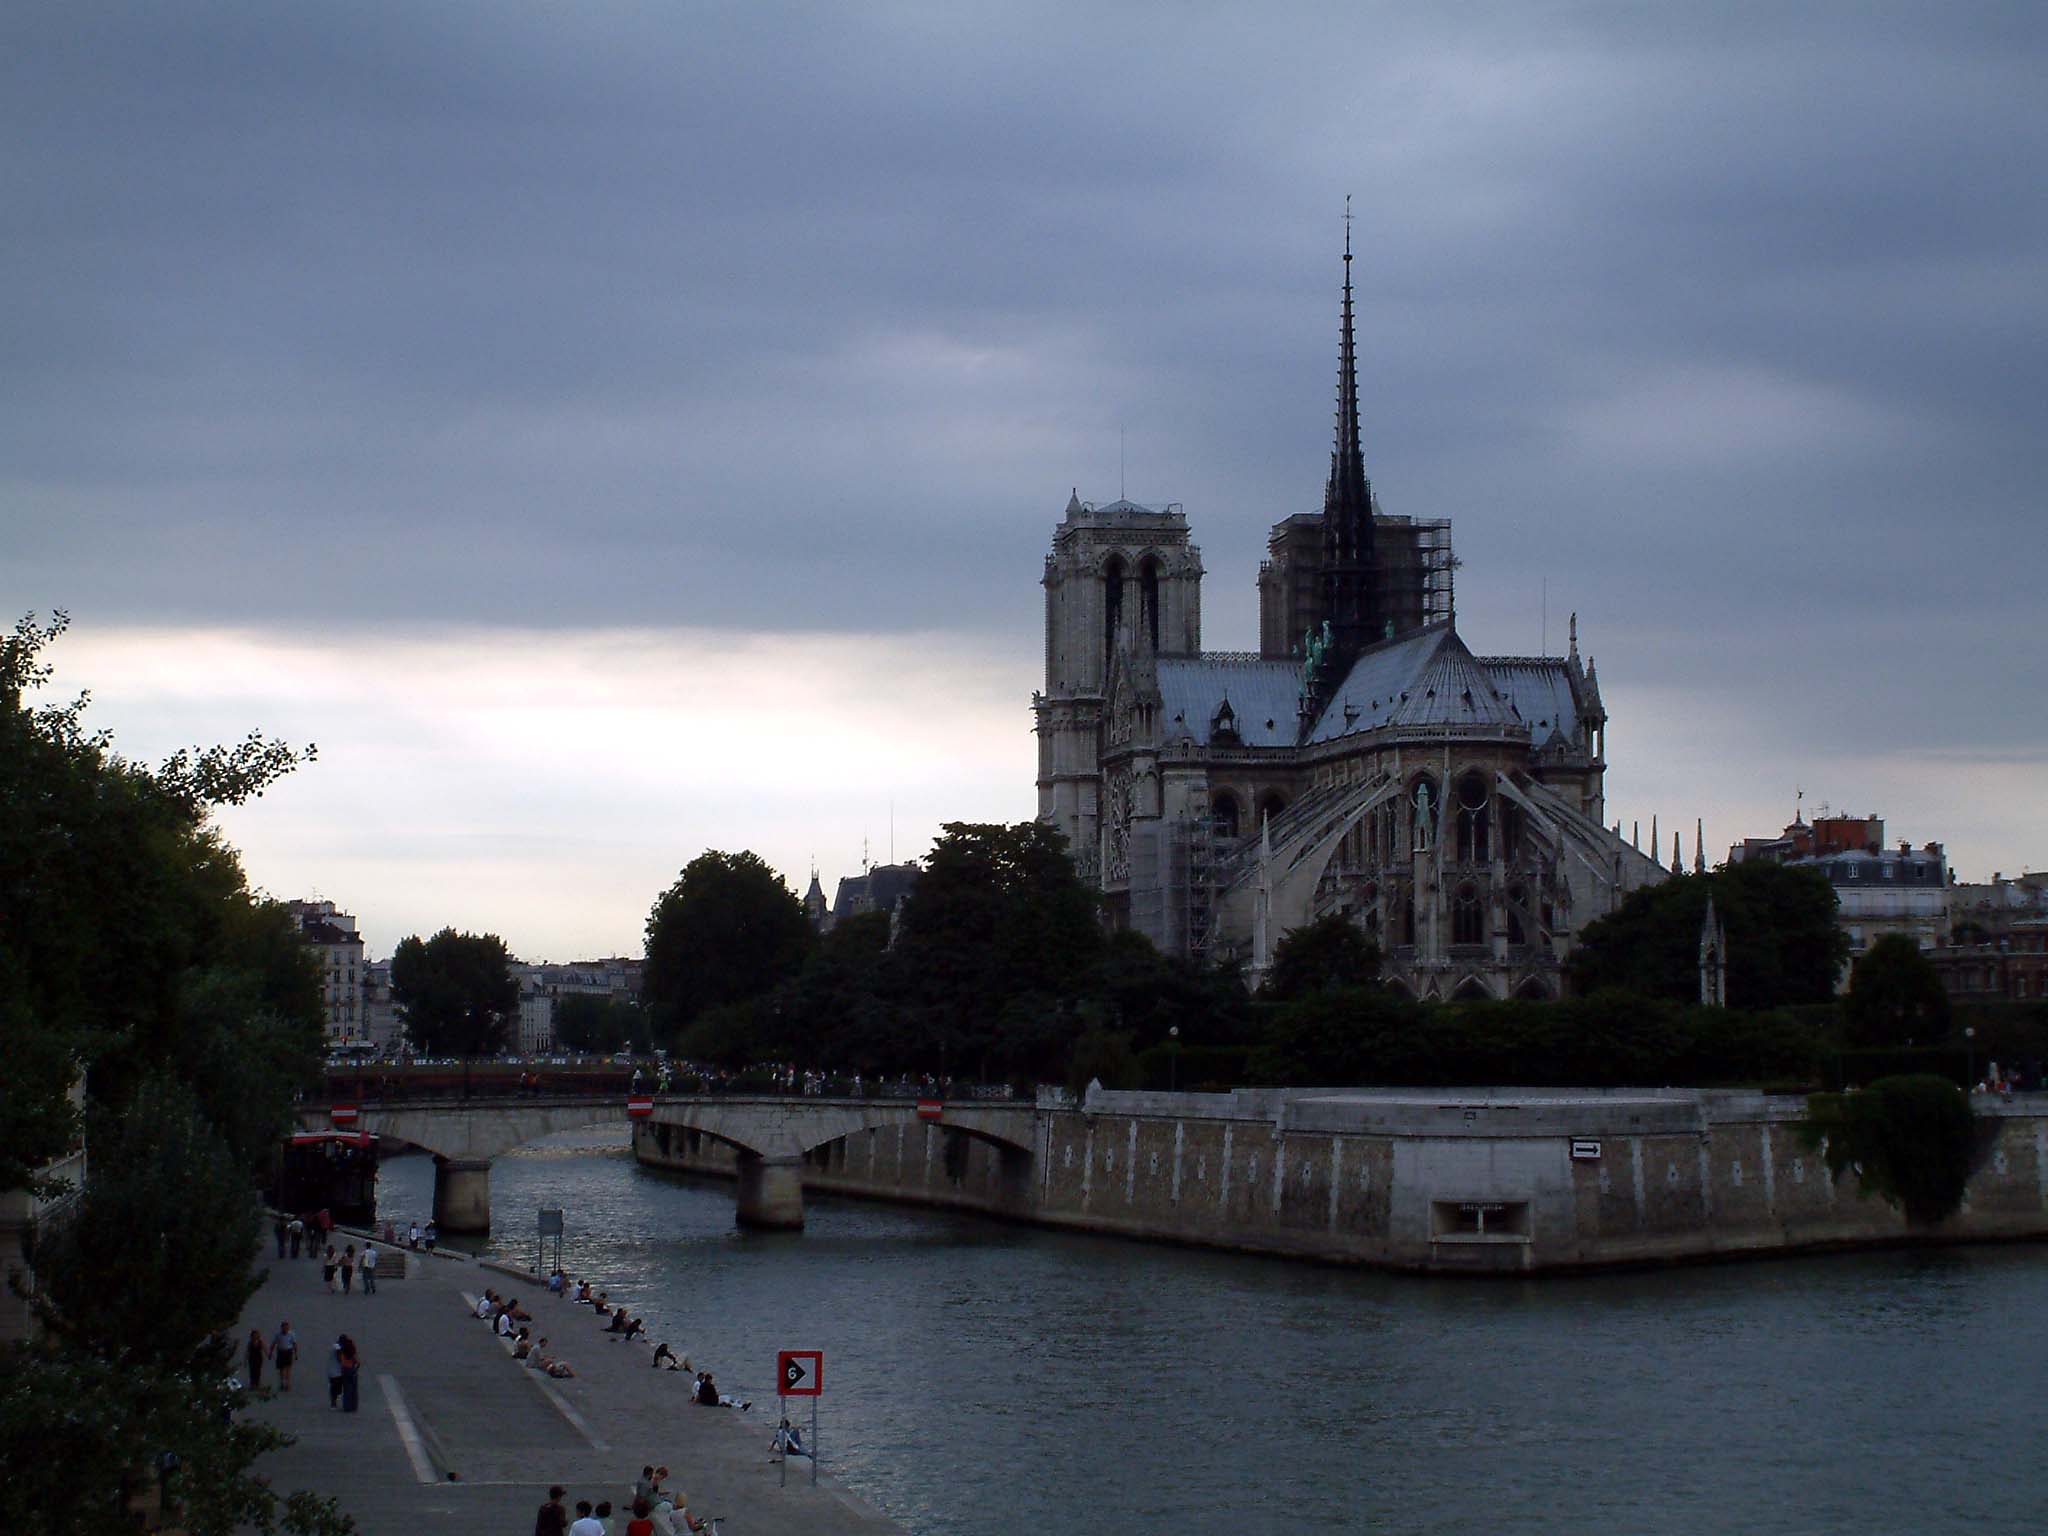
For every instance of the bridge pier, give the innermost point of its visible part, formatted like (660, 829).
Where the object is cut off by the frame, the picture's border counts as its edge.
(770, 1193)
(462, 1194)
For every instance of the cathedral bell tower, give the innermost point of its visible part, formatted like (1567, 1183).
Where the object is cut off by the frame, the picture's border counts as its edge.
(1120, 579)
(1350, 576)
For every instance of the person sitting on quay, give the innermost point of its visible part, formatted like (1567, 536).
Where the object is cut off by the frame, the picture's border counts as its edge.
(519, 1313)
(504, 1327)
(557, 1282)
(537, 1356)
(788, 1441)
(618, 1322)
(663, 1353)
(602, 1306)
(522, 1346)
(583, 1296)
(483, 1305)
(635, 1329)
(708, 1395)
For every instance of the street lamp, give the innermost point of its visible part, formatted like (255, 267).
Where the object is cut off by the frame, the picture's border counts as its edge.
(1970, 1035)
(1173, 1059)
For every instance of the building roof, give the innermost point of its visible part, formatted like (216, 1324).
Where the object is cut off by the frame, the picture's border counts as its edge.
(1540, 688)
(1424, 678)
(1264, 698)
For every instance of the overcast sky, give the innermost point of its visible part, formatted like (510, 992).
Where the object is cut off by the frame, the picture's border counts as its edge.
(615, 430)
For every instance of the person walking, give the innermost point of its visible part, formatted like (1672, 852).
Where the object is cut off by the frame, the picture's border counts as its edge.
(348, 1267)
(282, 1233)
(412, 1237)
(552, 1519)
(369, 1269)
(334, 1372)
(255, 1352)
(297, 1229)
(327, 1268)
(351, 1370)
(284, 1349)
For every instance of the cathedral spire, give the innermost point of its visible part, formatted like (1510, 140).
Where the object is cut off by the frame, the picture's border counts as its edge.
(1350, 599)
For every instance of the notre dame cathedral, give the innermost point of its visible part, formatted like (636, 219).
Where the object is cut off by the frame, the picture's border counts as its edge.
(1362, 762)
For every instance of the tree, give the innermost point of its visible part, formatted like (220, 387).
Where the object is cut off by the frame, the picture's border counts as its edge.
(131, 949)
(113, 889)
(458, 992)
(124, 1283)
(1911, 1140)
(1784, 945)
(584, 1022)
(1895, 996)
(998, 913)
(1332, 951)
(727, 931)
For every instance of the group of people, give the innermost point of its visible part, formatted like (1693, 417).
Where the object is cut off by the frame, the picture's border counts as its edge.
(656, 1510)
(310, 1232)
(313, 1234)
(344, 1364)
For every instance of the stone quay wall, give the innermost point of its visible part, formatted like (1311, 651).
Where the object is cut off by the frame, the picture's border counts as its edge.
(1473, 1181)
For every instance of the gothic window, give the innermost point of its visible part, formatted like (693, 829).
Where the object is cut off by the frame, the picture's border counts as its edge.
(1510, 831)
(1271, 805)
(1389, 830)
(1475, 820)
(1148, 598)
(1224, 808)
(1468, 916)
(1112, 602)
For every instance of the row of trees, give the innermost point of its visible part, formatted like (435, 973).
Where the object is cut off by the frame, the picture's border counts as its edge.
(133, 953)
(999, 968)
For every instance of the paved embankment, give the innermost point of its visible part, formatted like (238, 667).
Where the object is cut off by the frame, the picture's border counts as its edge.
(440, 1395)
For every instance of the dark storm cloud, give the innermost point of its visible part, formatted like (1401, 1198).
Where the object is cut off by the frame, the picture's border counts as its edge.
(1727, 323)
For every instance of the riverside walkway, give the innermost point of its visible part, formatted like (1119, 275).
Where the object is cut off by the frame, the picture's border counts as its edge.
(440, 1395)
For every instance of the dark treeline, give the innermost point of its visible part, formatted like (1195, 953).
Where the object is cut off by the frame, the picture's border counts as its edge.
(999, 969)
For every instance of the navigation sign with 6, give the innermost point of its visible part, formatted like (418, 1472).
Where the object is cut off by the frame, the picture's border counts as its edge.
(800, 1372)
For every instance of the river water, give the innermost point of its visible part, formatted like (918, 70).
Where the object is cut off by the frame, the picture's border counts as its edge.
(983, 1379)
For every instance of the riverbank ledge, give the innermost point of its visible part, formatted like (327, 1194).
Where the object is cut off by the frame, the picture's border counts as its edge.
(454, 1434)
(1450, 1181)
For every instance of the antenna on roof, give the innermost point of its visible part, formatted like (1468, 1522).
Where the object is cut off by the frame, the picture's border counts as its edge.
(1120, 493)
(1543, 645)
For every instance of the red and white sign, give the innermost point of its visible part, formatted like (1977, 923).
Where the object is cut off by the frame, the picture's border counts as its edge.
(930, 1109)
(639, 1106)
(800, 1372)
(342, 1114)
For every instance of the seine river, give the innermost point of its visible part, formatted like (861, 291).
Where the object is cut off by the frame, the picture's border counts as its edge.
(982, 1380)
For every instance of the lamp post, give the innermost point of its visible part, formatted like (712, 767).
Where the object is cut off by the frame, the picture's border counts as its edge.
(1970, 1035)
(1173, 1059)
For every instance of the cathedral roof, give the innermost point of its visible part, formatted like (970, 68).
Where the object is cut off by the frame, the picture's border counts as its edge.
(1541, 690)
(1424, 678)
(1263, 695)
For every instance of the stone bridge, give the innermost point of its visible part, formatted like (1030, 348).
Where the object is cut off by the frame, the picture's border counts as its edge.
(770, 1136)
